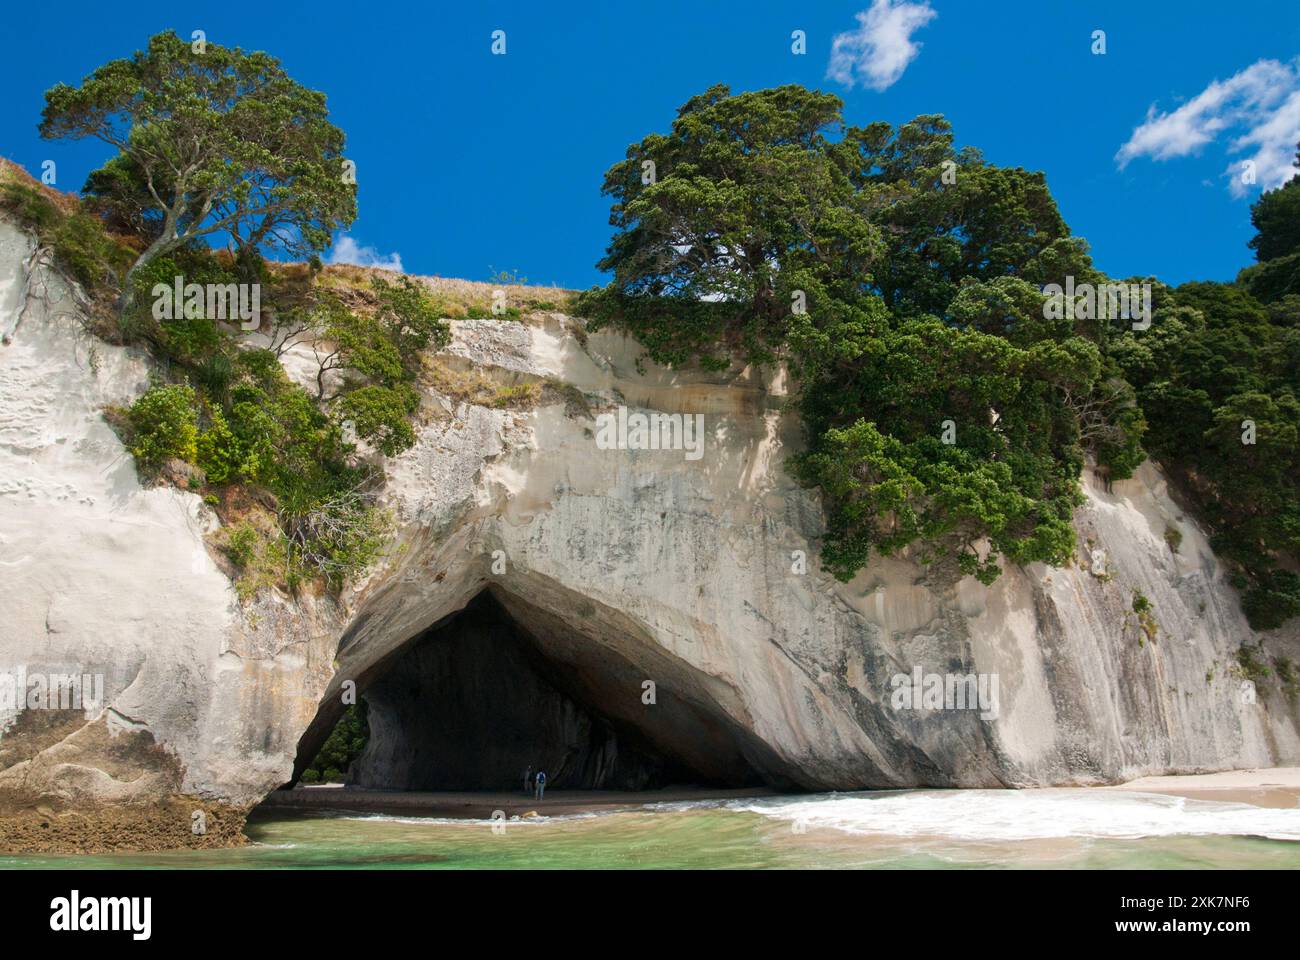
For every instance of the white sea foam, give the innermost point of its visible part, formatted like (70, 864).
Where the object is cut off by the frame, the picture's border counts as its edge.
(996, 815)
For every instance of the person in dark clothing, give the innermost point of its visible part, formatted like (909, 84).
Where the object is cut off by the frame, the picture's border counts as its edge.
(540, 781)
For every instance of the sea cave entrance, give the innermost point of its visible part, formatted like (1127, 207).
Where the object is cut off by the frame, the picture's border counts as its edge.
(476, 699)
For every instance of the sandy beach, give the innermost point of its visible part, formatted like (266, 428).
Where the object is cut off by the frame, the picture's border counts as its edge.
(483, 805)
(1276, 787)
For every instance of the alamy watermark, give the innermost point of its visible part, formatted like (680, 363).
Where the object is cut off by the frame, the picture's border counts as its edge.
(211, 301)
(1107, 301)
(653, 431)
(945, 691)
(24, 690)
(75, 913)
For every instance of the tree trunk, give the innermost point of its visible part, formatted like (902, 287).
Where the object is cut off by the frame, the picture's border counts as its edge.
(151, 253)
(165, 242)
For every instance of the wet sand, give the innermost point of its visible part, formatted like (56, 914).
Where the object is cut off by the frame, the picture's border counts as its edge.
(481, 806)
(1275, 787)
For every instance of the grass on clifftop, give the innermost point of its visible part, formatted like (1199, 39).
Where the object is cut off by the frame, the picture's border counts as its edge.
(457, 299)
(81, 245)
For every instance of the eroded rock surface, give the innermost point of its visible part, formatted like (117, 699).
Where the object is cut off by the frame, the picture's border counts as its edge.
(624, 566)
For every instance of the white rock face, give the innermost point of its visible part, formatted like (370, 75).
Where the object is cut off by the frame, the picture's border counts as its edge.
(625, 567)
(99, 576)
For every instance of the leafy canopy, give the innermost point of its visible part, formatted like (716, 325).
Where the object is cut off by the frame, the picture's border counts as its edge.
(209, 142)
(719, 221)
(900, 280)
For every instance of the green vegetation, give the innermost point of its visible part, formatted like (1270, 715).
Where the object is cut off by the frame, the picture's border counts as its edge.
(210, 141)
(344, 744)
(523, 395)
(950, 404)
(1173, 537)
(1217, 376)
(899, 278)
(164, 426)
(257, 549)
(1250, 665)
(81, 246)
(1145, 614)
(383, 347)
(475, 312)
(223, 142)
(1286, 673)
(236, 415)
(474, 387)
(1275, 279)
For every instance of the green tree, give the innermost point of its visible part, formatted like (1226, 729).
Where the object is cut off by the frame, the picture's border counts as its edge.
(213, 142)
(1276, 215)
(720, 221)
(947, 216)
(1216, 377)
(901, 281)
(341, 747)
(966, 442)
(375, 356)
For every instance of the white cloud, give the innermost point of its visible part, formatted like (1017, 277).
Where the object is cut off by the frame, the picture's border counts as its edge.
(347, 250)
(1274, 139)
(1259, 107)
(879, 50)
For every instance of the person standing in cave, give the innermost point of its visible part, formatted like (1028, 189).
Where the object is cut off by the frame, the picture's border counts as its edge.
(541, 784)
(528, 780)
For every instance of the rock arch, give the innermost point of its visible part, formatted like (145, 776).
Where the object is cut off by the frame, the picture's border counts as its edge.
(505, 682)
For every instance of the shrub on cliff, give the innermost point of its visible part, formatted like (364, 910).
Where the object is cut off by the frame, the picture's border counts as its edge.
(78, 240)
(297, 451)
(164, 426)
(220, 453)
(1218, 375)
(247, 424)
(376, 354)
(180, 337)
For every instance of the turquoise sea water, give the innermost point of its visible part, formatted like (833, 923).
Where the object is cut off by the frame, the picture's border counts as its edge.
(892, 829)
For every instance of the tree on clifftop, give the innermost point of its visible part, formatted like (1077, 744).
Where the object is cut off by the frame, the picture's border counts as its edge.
(212, 140)
(899, 278)
(720, 221)
(1276, 215)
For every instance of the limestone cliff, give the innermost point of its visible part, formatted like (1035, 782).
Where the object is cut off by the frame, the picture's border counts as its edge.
(620, 567)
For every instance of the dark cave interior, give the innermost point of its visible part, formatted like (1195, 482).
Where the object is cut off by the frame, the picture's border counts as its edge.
(477, 699)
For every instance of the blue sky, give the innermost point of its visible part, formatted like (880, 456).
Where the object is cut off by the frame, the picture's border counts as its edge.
(468, 161)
